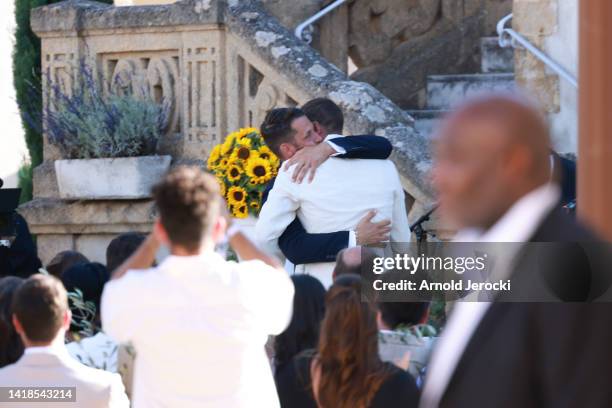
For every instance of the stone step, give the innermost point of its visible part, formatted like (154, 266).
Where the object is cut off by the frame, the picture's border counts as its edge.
(426, 120)
(446, 91)
(495, 58)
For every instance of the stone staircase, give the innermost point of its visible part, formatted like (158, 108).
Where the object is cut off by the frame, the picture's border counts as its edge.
(446, 91)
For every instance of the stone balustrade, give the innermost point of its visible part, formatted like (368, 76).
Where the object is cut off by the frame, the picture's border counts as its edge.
(220, 66)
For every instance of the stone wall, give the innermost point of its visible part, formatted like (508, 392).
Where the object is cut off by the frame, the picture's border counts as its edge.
(221, 66)
(551, 25)
(397, 43)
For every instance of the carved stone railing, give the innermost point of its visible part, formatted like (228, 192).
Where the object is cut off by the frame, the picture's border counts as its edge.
(220, 66)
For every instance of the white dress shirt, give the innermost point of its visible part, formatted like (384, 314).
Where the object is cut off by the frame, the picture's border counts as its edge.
(199, 325)
(518, 224)
(99, 351)
(342, 192)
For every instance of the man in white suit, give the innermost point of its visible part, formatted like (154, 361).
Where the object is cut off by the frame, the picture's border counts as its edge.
(41, 317)
(342, 192)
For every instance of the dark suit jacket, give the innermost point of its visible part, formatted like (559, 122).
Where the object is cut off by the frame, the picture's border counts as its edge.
(539, 354)
(299, 246)
(565, 172)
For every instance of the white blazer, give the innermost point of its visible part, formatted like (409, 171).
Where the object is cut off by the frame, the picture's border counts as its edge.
(54, 367)
(342, 192)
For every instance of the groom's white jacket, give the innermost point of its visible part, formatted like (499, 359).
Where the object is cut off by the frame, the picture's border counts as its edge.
(342, 192)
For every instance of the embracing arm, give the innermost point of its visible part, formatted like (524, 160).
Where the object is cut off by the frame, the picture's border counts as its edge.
(363, 147)
(301, 247)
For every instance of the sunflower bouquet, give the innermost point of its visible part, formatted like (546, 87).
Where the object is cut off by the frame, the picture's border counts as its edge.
(243, 165)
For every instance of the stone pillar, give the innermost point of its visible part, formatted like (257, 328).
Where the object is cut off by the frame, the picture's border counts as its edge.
(536, 20)
(595, 146)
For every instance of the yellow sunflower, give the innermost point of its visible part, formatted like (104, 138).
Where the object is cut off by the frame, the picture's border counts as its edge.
(265, 153)
(227, 145)
(214, 157)
(223, 164)
(246, 131)
(258, 170)
(241, 153)
(255, 205)
(223, 188)
(236, 196)
(244, 141)
(241, 211)
(233, 172)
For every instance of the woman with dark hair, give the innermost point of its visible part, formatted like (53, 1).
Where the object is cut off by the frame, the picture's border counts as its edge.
(303, 330)
(11, 347)
(345, 371)
(92, 347)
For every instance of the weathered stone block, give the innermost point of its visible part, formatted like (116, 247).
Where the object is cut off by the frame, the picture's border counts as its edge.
(52, 244)
(535, 18)
(94, 246)
(45, 182)
(122, 178)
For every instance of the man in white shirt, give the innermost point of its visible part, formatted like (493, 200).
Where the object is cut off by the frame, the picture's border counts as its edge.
(41, 317)
(198, 322)
(493, 178)
(342, 192)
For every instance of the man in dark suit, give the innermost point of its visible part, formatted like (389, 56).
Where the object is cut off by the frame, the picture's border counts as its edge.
(492, 173)
(299, 246)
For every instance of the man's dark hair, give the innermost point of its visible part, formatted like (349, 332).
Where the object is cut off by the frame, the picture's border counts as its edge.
(121, 248)
(64, 260)
(11, 347)
(276, 127)
(90, 279)
(188, 201)
(395, 314)
(326, 113)
(40, 304)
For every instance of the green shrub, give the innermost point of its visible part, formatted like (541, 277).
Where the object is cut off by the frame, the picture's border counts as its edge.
(25, 176)
(86, 124)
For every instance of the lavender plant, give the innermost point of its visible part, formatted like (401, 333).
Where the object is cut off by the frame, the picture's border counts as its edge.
(86, 124)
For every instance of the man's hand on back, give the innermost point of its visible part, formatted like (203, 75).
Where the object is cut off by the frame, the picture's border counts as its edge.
(372, 233)
(307, 160)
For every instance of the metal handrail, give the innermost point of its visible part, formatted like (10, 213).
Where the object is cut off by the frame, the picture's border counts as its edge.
(508, 36)
(299, 30)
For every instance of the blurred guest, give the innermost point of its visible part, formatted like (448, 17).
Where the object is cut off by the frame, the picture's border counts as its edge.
(88, 279)
(121, 248)
(198, 322)
(91, 346)
(404, 339)
(350, 260)
(303, 331)
(345, 371)
(20, 258)
(63, 261)
(492, 174)
(41, 317)
(11, 347)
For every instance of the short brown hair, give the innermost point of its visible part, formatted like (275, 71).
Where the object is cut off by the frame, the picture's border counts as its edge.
(276, 128)
(40, 304)
(188, 201)
(326, 113)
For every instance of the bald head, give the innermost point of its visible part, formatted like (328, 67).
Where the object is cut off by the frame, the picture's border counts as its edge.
(489, 153)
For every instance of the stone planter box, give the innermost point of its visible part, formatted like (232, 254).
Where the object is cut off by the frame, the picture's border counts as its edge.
(125, 178)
